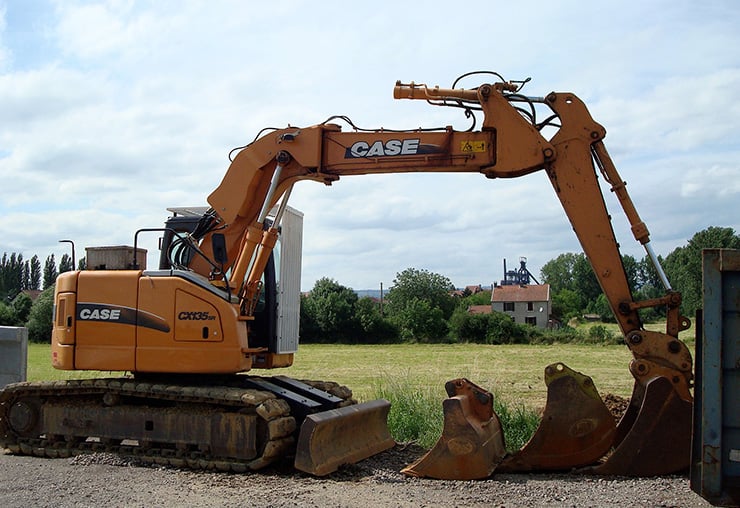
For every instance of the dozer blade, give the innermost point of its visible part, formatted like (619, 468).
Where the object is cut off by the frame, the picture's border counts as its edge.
(576, 427)
(471, 444)
(658, 441)
(346, 435)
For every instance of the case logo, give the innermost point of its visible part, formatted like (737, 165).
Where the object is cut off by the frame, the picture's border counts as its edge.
(118, 314)
(390, 148)
(100, 314)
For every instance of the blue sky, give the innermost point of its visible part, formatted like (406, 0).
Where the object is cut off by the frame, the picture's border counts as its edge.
(110, 112)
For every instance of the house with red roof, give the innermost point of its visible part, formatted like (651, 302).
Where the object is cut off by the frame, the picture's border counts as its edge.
(527, 304)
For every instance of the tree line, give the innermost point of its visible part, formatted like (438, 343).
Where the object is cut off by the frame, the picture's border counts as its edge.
(420, 306)
(18, 277)
(17, 274)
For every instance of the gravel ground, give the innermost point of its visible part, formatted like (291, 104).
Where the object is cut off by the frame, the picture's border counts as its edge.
(106, 480)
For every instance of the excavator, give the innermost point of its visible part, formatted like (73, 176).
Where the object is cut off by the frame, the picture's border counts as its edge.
(190, 334)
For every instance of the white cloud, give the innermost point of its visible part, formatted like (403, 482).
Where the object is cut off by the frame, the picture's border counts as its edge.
(715, 181)
(3, 49)
(112, 111)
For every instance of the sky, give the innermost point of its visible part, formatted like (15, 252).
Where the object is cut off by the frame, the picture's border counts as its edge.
(112, 111)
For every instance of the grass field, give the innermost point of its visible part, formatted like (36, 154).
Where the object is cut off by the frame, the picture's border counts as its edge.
(514, 373)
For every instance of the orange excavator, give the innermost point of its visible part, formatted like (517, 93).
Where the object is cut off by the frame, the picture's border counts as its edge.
(189, 331)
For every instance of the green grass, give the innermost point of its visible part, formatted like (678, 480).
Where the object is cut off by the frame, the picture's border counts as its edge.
(518, 423)
(416, 412)
(513, 372)
(40, 369)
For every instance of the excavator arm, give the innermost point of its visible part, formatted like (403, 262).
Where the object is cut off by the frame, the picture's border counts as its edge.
(508, 145)
(652, 436)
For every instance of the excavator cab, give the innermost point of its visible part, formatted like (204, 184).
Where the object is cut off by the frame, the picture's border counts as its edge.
(176, 251)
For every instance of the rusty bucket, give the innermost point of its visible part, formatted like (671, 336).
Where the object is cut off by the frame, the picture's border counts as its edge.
(654, 433)
(576, 427)
(472, 442)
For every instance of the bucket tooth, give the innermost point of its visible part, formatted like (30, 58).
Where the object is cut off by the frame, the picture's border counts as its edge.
(472, 442)
(659, 439)
(576, 427)
(346, 435)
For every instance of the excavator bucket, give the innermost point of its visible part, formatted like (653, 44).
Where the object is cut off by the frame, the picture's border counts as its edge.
(576, 428)
(471, 444)
(654, 439)
(346, 435)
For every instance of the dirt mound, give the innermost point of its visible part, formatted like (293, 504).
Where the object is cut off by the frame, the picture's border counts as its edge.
(616, 405)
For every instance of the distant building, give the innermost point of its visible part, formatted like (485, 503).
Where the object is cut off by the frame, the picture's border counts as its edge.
(468, 291)
(474, 290)
(526, 304)
(32, 293)
(479, 309)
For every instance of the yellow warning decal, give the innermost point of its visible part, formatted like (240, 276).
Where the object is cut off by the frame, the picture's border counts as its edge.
(472, 146)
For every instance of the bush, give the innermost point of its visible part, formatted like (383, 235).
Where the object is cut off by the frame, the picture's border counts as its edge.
(494, 328)
(374, 329)
(419, 321)
(465, 327)
(7, 316)
(22, 307)
(562, 335)
(40, 318)
(503, 330)
(600, 334)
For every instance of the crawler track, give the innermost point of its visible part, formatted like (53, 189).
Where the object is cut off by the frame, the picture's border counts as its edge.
(227, 427)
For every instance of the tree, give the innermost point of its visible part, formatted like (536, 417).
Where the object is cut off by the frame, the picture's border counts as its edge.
(34, 277)
(585, 282)
(374, 328)
(11, 275)
(22, 304)
(422, 285)
(572, 284)
(418, 321)
(648, 286)
(601, 307)
(575, 288)
(65, 264)
(632, 271)
(419, 303)
(683, 264)
(26, 275)
(50, 272)
(566, 304)
(467, 327)
(480, 298)
(40, 318)
(328, 313)
(648, 281)
(558, 272)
